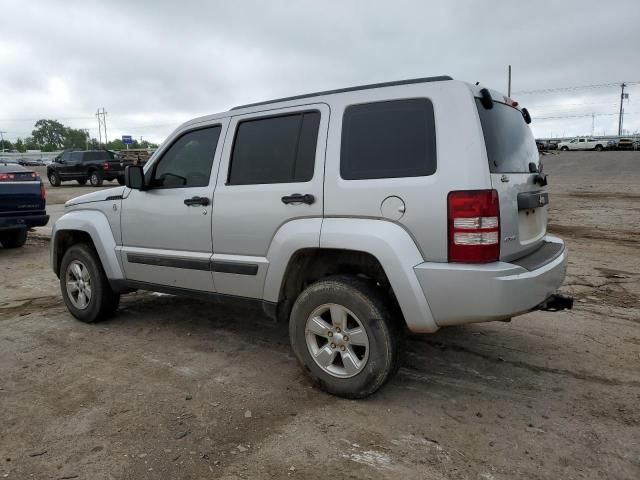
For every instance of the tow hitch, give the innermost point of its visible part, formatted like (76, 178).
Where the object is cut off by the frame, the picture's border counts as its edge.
(556, 302)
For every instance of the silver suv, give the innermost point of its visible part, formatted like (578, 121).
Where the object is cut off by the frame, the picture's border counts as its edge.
(352, 214)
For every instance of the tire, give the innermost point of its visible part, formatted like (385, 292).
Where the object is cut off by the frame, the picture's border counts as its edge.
(599, 148)
(81, 263)
(95, 178)
(121, 180)
(82, 182)
(365, 308)
(565, 149)
(13, 238)
(54, 179)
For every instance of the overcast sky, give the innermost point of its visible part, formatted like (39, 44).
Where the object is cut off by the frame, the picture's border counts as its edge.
(153, 64)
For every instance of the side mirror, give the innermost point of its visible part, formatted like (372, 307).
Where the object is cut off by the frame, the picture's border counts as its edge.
(134, 177)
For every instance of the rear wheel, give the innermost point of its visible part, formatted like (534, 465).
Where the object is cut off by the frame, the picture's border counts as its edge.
(54, 179)
(343, 335)
(95, 177)
(82, 182)
(84, 285)
(13, 238)
(599, 148)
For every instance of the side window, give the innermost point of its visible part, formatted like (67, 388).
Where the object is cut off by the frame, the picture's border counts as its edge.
(581, 140)
(187, 163)
(388, 140)
(76, 157)
(66, 156)
(275, 150)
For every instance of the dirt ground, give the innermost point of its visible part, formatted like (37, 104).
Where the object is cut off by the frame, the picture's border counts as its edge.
(175, 389)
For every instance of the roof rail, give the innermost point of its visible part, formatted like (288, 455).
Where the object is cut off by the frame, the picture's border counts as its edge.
(440, 78)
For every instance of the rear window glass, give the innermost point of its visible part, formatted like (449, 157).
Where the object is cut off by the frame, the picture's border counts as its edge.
(509, 141)
(93, 156)
(388, 140)
(275, 149)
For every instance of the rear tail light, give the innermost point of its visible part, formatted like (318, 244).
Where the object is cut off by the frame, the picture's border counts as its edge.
(474, 226)
(43, 192)
(6, 177)
(105, 165)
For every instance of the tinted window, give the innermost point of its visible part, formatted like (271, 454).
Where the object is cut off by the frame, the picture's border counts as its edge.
(508, 139)
(188, 161)
(75, 157)
(388, 140)
(275, 150)
(93, 156)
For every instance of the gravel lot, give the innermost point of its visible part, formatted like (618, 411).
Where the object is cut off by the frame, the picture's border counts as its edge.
(173, 388)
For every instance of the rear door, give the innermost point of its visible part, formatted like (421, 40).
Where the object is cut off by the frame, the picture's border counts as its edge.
(271, 173)
(523, 203)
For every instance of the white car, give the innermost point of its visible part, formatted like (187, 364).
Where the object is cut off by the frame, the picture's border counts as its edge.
(583, 144)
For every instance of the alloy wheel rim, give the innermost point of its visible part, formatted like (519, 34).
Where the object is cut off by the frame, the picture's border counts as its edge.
(78, 282)
(337, 340)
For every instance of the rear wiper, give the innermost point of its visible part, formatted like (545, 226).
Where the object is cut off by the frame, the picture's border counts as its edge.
(540, 178)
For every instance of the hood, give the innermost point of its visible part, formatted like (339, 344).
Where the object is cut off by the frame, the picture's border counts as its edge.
(99, 196)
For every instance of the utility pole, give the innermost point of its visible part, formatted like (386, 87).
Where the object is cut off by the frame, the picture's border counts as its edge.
(509, 83)
(102, 122)
(593, 123)
(99, 128)
(2, 136)
(621, 111)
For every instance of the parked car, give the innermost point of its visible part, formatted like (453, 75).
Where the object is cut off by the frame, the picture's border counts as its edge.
(30, 162)
(22, 204)
(625, 144)
(339, 212)
(583, 144)
(96, 166)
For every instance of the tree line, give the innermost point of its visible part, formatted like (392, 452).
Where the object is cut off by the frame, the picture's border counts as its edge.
(51, 135)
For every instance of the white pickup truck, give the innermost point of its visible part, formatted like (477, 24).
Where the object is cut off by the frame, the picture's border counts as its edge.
(584, 143)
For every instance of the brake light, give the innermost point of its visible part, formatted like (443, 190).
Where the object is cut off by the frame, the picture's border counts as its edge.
(105, 165)
(474, 226)
(43, 192)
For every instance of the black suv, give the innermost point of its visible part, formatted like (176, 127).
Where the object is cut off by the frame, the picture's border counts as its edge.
(93, 165)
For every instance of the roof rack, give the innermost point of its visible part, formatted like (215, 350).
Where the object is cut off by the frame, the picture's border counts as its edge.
(440, 78)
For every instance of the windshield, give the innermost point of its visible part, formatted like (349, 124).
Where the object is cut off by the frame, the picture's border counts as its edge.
(509, 141)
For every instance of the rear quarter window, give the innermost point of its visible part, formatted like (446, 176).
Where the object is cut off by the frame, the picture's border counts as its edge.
(388, 140)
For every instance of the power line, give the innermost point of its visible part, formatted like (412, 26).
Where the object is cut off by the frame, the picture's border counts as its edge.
(583, 116)
(577, 87)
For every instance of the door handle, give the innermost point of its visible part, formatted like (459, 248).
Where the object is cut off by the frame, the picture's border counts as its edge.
(299, 198)
(196, 201)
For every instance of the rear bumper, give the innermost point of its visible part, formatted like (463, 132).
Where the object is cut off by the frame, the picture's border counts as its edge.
(465, 293)
(19, 222)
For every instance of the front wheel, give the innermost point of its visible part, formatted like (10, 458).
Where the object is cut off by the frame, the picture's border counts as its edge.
(564, 149)
(84, 285)
(13, 238)
(95, 178)
(343, 335)
(54, 179)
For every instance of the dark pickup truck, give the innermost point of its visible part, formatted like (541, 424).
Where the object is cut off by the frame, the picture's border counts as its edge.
(22, 204)
(96, 166)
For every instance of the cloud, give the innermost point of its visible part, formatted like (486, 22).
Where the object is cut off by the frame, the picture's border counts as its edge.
(155, 64)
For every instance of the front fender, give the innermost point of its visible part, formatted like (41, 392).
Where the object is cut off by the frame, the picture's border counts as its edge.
(396, 251)
(96, 225)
